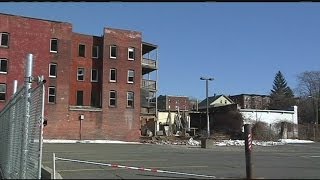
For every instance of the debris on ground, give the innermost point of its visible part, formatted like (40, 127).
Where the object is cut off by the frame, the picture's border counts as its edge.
(190, 141)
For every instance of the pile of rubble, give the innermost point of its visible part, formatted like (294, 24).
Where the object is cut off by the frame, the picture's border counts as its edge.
(171, 140)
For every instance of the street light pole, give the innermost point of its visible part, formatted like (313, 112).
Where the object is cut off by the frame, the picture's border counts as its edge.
(208, 118)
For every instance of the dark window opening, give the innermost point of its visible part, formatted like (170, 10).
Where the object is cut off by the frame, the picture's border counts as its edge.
(79, 98)
(54, 45)
(113, 51)
(3, 65)
(82, 50)
(4, 39)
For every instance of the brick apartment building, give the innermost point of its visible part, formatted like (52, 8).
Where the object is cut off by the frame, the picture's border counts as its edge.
(251, 101)
(173, 103)
(106, 80)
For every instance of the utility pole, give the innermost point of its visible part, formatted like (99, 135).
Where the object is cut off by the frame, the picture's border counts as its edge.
(208, 118)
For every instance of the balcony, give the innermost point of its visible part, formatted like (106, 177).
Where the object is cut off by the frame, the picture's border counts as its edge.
(149, 84)
(148, 65)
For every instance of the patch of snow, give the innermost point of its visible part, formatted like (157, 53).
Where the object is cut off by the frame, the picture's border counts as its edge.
(295, 141)
(193, 142)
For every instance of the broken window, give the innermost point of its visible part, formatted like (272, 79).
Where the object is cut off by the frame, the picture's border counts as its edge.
(82, 50)
(3, 90)
(3, 66)
(4, 39)
(51, 94)
(80, 74)
(54, 45)
(130, 99)
(131, 53)
(130, 76)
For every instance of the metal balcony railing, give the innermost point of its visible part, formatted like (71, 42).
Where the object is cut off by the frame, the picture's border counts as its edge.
(149, 84)
(149, 63)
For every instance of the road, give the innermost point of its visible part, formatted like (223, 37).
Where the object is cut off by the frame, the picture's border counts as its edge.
(291, 161)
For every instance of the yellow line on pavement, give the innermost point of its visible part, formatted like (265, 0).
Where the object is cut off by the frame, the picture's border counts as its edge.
(112, 169)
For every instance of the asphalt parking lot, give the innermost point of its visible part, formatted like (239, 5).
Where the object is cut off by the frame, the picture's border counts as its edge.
(291, 161)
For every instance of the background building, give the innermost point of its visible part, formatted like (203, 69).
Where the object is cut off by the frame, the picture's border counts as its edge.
(173, 103)
(102, 81)
(251, 101)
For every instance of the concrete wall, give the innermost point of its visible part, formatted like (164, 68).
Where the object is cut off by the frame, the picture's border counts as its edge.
(269, 116)
(272, 117)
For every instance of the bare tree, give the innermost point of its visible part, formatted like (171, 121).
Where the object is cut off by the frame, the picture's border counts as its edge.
(309, 91)
(309, 84)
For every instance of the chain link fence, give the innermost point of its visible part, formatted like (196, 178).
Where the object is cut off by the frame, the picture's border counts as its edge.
(21, 128)
(17, 162)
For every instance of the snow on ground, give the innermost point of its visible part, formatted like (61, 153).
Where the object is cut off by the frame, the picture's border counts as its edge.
(261, 143)
(295, 141)
(190, 142)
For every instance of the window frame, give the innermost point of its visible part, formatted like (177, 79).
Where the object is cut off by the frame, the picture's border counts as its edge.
(128, 76)
(113, 98)
(84, 55)
(110, 51)
(52, 95)
(5, 92)
(97, 48)
(97, 75)
(53, 51)
(80, 74)
(110, 74)
(3, 72)
(56, 65)
(131, 49)
(128, 106)
(8, 36)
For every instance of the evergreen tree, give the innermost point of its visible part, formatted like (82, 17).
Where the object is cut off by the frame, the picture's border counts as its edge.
(281, 96)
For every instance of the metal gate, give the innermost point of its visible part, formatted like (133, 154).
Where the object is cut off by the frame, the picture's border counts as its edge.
(21, 125)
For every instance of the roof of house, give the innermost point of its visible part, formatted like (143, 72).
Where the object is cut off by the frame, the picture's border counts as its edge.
(212, 99)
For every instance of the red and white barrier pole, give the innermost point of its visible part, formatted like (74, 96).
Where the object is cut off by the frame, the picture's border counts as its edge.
(135, 168)
(248, 149)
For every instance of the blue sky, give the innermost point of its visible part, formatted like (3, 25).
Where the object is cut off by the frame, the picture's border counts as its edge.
(241, 45)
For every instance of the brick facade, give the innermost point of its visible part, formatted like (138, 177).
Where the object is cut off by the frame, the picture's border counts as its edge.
(251, 101)
(30, 35)
(172, 103)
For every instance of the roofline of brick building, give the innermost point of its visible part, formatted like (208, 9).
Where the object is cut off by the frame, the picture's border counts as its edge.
(34, 18)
